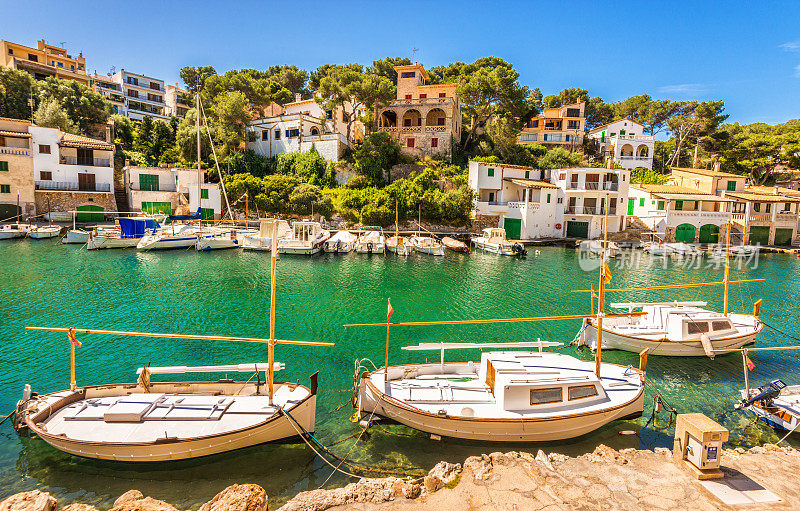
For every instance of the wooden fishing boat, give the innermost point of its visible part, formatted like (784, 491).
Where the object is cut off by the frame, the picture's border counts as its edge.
(455, 245)
(427, 245)
(494, 240)
(76, 237)
(11, 231)
(44, 232)
(371, 242)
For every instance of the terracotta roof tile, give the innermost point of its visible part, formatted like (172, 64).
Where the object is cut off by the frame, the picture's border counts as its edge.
(70, 140)
(706, 172)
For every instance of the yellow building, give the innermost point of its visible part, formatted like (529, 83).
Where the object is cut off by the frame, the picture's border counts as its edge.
(562, 127)
(16, 170)
(44, 61)
(708, 181)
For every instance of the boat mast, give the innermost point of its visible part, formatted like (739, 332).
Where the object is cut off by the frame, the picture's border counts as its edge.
(273, 262)
(727, 280)
(598, 354)
(199, 176)
(419, 219)
(396, 220)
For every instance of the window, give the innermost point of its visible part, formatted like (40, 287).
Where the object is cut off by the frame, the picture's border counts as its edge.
(154, 86)
(528, 137)
(567, 138)
(731, 186)
(527, 174)
(204, 193)
(560, 200)
(696, 327)
(641, 202)
(408, 74)
(768, 208)
(721, 325)
(148, 182)
(621, 132)
(423, 96)
(72, 67)
(133, 93)
(44, 149)
(548, 198)
(442, 95)
(5, 188)
(490, 172)
(292, 133)
(10, 51)
(573, 125)
(434, 142)
(582, 391)
(661, 205)
(33, 58)
(264, 135)
(491, 196)
(329, 114)
(756, 207)
(133, 81)
(3, 166)
(613, 134)
(544, 396)
(410, 142)
(678, 205)
(45, 175)
(277, 134)
(408, 96)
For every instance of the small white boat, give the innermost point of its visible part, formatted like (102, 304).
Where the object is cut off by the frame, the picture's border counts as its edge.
(44, 232)
(371, 242)
(506, 396)
(307, 238)
(655, 249)
(10, 231)
(399, 245)
(128, 235)
(735, 251)
(600, 247)
(172, 236)
(222, 237)
(76, 237)
(427, 245)
(682, 250)
(341, 242)
(455, 245)
(775, 403)
(494, 240)
(262, 240)
(676, 329)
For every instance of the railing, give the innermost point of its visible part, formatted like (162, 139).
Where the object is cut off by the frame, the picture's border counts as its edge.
(520, 205)
(737, 216)
(594, 185)
(710, 215)
(422, 101)
(761, 218)
(86, 162)
(584, 210)
(636, 138)
(786, 216)
(639, 158)
(15, 151)
(435, 129)
(68, 186)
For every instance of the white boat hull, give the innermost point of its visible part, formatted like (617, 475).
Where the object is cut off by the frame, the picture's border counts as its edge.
(76, 237)
(495, 248)
(217, 243)
(370, 248)
(298, 249)
(402, 250)
(785, 417)
(45, 233)
(665, 347)
(100, 242)
(9, 235)
(157, 242)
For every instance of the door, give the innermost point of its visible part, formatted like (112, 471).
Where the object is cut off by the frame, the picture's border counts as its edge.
(207, 215)
(90, 217)
(709, 233)
(783, 237)
(684, 233)
(156, 208)
(631, 204)
(86, 182)
(577, 229)
(759, 234)
(513, 227)
(9, 212)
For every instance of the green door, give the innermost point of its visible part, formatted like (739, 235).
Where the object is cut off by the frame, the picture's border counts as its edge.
(207, 215)
(631, 203)
(759, 234)
(684, 233)
(513, 226)
(90, 217)
(577, 229)
(157, 208)
(783, 237)
(709, 233)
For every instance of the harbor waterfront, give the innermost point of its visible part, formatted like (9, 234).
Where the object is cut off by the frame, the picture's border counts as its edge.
(227, 293)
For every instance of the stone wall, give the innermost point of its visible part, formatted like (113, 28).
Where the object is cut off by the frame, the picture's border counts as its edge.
(61, 202)
(19, 178)
(404, 171)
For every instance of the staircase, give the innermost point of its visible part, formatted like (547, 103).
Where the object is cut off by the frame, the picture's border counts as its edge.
(634, 222)
(120, 194)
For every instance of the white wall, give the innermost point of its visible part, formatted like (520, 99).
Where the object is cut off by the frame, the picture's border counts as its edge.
(63, 172)
(328, 145)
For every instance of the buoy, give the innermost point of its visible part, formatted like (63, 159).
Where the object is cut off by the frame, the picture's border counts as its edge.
(658, 405)
(627, 432)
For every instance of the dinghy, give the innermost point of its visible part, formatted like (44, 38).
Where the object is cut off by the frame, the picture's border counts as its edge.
(371, 242)
(76, 237)
(600, 247)
(455, 245)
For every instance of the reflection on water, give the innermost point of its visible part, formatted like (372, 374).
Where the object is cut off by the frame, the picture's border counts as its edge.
(227, 293)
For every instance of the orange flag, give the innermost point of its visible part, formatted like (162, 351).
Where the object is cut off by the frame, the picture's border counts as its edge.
(71, 335)
(390, 310)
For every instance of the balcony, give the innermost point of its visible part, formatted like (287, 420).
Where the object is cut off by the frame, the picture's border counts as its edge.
(786, 217)
(86, 162)
(66, 186)
(588, 210)
(490, 208)
(15, 151)
(594, 186)
(677, 217)
(423, 102)
(636, 158)
(635, 138)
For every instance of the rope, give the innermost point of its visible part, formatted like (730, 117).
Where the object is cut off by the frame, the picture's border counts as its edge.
(790, 336)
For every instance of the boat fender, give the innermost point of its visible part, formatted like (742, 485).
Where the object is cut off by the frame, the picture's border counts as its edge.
(435, 437)
(365, 424)
(657, 406)
(707, 346)
(369, 247)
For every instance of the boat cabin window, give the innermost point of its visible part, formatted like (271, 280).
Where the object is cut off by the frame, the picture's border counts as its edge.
(722, 324)
(545, 396)
(582, 391)
(696, 327)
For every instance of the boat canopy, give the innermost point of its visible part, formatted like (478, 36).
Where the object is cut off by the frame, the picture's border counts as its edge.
(436, 346)
(136, 227)
(194, 216)
(636, 305)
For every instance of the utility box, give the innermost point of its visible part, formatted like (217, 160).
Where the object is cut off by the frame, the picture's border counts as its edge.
(698, 442)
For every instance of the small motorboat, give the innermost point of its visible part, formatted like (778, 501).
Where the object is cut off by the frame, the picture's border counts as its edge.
(600, 248)
(455, 245)
(44, 232)
(262, 240)
(427, 245)
(218, 239)
(341, 242)
(494, 240)
(11, 231)
(654, 244)
(173, 236)
(735, 251)
(371, 242)
(681, 249)
(775, 403)
(399, 245)
(307, 238)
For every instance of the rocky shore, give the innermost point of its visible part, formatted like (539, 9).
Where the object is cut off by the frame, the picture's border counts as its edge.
(604, 479)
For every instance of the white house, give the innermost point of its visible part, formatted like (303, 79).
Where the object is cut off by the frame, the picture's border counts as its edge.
(71, 172)
(679, 213)
(553, 203)
(161, 190)
(624, 142)
(301, 125)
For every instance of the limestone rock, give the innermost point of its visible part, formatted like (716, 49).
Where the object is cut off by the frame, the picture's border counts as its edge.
(238, 497)
(557, 457)
(663, 451)
(542, 458)
(133, 500)
(480, 466)
(441, 475)
(605, 453)
(80, 507)
(29, 501)
(506, 459)
(365, 490)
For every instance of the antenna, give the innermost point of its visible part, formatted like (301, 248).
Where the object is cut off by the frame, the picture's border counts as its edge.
(113, 69)
(414, 54)
(62, 44)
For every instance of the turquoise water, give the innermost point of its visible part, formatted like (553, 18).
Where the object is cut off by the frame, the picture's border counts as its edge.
(227, 293)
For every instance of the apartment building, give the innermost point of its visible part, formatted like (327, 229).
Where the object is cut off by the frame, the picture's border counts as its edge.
(557, 127)
(572, 202)
(172, 190)
(425, 118)
(176, 101)
(44, 61)
(144, 96)
(301, 125)
(625, 143)
(16, 170)
(679, 213)
(109, 88)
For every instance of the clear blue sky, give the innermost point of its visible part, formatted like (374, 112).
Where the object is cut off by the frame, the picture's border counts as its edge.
(746, 53)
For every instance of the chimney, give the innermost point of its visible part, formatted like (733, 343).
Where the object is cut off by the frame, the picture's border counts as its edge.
(716, 166)
(298, 97)
(110, 132)
(776, 190)
(609, 163)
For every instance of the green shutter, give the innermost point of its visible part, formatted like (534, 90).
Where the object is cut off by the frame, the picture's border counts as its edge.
(148, 182)
(4, 166)
(661, 205)
(731, 186)
(155, 208)
(548, 198)
(527, 174)
(5, 188)
(756, 207)
(204, 193)
(641, 202)
(491, 196)
(90, 217)
(490, 172)
(678, 205)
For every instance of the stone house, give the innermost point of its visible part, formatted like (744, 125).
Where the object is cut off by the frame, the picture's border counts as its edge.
(16, 170)
(425, 118)
(762, 215)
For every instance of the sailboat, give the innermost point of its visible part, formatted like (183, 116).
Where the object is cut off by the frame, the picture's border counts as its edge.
(398, 244)
(147, 421)
(680, 329)
(45, 231)
(426, 244)
(262, 240)
(127, 235)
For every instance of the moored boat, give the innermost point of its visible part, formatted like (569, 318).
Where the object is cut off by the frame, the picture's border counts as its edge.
(371, 242)
(493, 240)
(600, 247)
(262, 240)
(130, 232)
(682, 250)
(427, 245)
(455, 245)
(11, 231)
(307, 238)
(76, 237)
(399, 245)
(44, 232)
(341, 242)
(171, 237)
